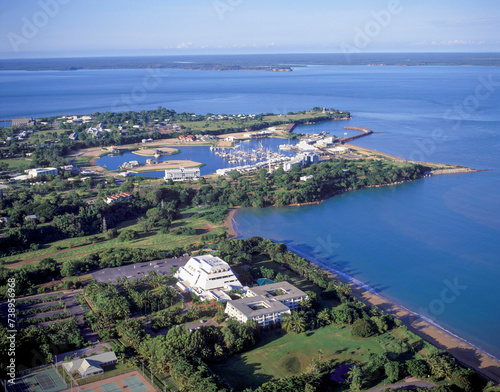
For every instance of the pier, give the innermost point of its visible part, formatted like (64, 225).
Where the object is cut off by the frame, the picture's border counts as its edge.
(365, 132)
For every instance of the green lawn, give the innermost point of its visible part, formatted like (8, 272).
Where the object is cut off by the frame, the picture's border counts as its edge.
(17, 163)
(207, 126)
(280, 354)
(76, 248)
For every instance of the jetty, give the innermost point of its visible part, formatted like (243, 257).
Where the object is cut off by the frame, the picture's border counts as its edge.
(365, 132)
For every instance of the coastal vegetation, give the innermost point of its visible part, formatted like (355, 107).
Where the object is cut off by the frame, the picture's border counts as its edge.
(331, 331)
(314, 349)
(69, 215)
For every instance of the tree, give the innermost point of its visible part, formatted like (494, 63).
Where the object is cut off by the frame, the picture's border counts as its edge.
(355, 378)
(111, 233)
(392, 371)
(417, 368)
(464, 379)
(324, 317)
(441, 365)
(146, 224)
(362, 328)
(294, 322)
(127, 235)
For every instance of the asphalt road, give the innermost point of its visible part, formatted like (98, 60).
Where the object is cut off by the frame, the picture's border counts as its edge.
(408, 384)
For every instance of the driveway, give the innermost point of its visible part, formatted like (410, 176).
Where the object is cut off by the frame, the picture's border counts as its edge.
(408, 384)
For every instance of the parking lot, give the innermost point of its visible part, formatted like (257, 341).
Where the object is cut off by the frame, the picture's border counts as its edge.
(136, 271)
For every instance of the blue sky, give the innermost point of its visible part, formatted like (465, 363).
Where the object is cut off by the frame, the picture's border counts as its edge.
(46, 28)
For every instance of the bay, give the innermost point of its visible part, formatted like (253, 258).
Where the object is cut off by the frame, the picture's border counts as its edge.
(405, 242)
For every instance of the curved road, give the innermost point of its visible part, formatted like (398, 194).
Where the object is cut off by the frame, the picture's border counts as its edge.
(408, 384)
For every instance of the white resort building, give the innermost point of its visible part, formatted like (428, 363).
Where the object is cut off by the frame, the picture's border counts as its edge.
(266, 304)
(33, 173)
(207, 276)
(182, 174)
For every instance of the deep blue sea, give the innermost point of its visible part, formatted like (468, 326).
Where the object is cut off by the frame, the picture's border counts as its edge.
(431, 245)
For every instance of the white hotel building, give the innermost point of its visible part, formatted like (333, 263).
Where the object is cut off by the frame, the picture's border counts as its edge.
(207, 276)
(266, 304)
(182, 174)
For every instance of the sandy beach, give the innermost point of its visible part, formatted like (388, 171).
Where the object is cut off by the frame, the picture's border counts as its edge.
(229, 223)
(173, 164)
(464, 352)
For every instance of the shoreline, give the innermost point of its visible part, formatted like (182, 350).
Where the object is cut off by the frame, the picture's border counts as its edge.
(463, 351)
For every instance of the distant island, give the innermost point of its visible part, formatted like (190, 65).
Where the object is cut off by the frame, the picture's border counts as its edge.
(257, 62)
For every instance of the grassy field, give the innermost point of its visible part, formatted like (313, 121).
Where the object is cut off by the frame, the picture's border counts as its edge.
(207, 126)
(280, 354)
(75, 248)
(17, 163)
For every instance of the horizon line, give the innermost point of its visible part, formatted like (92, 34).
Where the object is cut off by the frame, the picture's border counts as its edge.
(82, 56)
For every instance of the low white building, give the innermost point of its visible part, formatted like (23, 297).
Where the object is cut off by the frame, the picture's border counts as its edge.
(119, 197)
(32, 173)
(338, 150)
(90, 366)
(182, 174)
(203, 274)
(266, 304)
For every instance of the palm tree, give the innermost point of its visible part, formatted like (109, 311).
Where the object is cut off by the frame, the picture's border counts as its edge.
(354, 377)
(294, 322)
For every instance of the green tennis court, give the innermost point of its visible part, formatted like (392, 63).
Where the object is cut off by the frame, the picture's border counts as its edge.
(87, 390)
(45, 380)
(135, 384)
(110, 387)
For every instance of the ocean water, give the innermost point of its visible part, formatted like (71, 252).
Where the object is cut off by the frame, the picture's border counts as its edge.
(431, 245)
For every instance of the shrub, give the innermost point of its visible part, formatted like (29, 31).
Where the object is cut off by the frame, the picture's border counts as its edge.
(417, 368)
(127, 235)
(362, 328)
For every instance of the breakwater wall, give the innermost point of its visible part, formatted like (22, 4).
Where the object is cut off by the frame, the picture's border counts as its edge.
(451, 171)
(365, 132)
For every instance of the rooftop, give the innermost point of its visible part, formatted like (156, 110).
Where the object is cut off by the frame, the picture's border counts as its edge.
(288, 291)
(258, 306)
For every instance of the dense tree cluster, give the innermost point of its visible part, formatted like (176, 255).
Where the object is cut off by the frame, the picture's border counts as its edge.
(36, 345)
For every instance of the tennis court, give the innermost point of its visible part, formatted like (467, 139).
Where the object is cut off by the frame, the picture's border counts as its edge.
(41, 381)
(134, 384)
(45, 381)
(19, 386)
(86, 390)
(110, 387)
